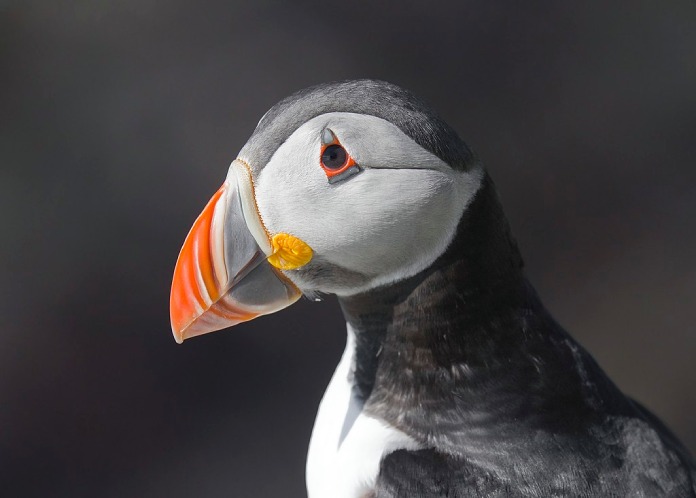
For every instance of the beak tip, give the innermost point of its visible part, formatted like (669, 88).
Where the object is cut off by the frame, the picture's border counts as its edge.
(178, 334)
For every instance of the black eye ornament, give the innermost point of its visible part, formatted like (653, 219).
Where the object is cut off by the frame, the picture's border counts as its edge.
(335, 160)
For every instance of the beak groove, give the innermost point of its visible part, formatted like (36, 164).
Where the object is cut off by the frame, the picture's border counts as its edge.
(200, 273)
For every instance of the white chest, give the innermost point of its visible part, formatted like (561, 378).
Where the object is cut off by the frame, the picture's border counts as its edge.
(347, 445)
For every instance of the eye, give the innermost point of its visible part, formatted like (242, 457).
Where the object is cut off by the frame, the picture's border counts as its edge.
(334, 157)
(335, 160)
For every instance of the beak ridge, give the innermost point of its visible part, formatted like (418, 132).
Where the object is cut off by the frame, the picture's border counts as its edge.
(200, 274)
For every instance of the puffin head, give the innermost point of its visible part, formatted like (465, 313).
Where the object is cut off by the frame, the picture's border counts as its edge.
(341, 188)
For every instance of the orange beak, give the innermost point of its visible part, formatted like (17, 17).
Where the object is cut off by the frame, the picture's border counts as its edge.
(222, 276)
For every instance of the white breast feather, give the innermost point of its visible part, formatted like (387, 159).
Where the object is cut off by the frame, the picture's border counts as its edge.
(348, 469)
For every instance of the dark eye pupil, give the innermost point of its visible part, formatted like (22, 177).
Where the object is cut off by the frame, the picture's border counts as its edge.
(333, 157)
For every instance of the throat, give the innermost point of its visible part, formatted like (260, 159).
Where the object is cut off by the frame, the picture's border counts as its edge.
(467, 340)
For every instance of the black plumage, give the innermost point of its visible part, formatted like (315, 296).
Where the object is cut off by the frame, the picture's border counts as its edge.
(376, 98)
(464, 358)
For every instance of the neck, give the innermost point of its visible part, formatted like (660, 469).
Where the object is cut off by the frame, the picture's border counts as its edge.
(468, 340)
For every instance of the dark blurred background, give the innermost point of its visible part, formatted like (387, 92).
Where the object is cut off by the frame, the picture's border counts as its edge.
(119, 120)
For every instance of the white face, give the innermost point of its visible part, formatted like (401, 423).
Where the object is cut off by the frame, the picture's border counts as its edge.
(387, 222)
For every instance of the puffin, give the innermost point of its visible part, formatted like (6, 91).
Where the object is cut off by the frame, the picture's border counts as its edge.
(455, 381)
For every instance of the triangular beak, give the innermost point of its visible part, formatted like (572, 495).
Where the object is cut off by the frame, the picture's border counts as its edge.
(222, 276)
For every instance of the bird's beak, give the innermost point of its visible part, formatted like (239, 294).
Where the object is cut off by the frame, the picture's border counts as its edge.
(227, 271)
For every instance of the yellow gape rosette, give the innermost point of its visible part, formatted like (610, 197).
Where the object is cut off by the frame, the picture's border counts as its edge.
(289, 252)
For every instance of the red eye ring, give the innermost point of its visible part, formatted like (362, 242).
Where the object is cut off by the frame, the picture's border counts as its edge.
(335, 159)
